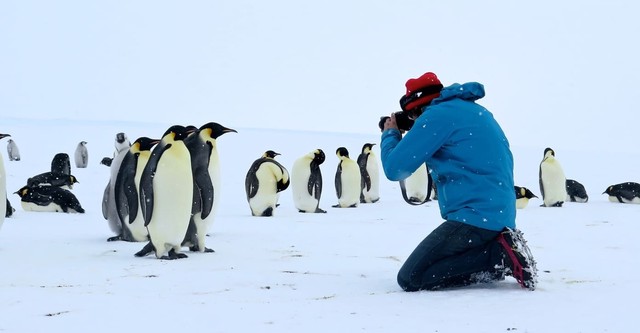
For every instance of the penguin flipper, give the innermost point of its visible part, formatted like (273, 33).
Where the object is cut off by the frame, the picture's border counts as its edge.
(366, 179)
(251, 180)
(105, 201)
(540, 181)
(146, 182)
(205, 190)
(338, 180)
(125, 186)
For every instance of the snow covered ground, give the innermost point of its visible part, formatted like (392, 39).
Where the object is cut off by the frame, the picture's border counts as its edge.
(303, 272)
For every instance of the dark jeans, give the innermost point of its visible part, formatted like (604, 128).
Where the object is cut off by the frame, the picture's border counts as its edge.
(454, 254)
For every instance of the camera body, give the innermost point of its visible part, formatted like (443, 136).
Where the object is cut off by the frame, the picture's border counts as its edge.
(402, 120)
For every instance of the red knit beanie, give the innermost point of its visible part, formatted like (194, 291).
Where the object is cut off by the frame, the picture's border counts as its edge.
(420, 91)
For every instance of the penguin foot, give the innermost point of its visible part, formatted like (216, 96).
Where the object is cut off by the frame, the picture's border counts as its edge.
(196, 248)
(318, 210)
(336, 206)
(558, 204)
(175, 255)
(145, 250)
(114, 238)
(268, 212)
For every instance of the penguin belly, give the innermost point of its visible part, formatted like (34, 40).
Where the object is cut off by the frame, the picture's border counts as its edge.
(554, 183)
(373, 194)
(416, 185)
(300, 174)
(351, 181)
(172, 201)
(522, 203)
(266, 198)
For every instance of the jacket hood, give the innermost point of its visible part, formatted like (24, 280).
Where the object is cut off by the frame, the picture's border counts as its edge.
(469, 91)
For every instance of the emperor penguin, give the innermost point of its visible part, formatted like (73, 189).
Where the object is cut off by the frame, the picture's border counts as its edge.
(415, 189)
(306, 182)
(370, 172)
(127, 185)
(166, 193)
(552, 180)
(347, 180)
(12, 151)
(53, 179)
(81, 155)
(109, 209)
(628, 192)
(265, 180)
(205, 166)
(48, 199)
(523, 195)
(3, 185)
(576, 191)
(60, 164)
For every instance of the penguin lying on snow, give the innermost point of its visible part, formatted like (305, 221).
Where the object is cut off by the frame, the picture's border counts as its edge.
(306, 182)
(52, 179)
(523, 195)
(48, 199)
(576, 192)
(628, 192)
(553, 185)
(347, 181)
(265, 180)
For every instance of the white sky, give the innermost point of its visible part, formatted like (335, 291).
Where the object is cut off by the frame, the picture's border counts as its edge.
(550, 69)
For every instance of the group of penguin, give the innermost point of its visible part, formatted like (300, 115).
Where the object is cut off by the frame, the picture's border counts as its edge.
(556, 189)
(164, 191)
(48, 191)
(356, 181)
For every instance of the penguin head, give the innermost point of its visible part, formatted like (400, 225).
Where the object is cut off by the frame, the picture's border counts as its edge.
(367, 147)
(523, 192)
(2, 136)
(270, 154)
(143, 144)
(176, 133)
(318, 156)
(342, 152)
(216, 130)
(122, 142)
(608, 190)
(83, 143)
(548, 152)
(22, 192)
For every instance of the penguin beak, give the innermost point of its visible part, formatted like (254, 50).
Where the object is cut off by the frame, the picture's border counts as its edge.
(2, 136)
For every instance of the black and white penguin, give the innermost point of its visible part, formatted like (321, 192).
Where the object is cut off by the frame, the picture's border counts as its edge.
(265, 180)
(81, 155)
(347, 181)
(52, 179)
(523, 195)
(127, 185)
(60, 164)
(12, 151)
(552, 180)
(415, 189)
(205, 166)
(48, 199)
(576, 192)
(306, 182)
(3, 185)
(628, 192)
(370, 172)
(109, 209)
(166, 193)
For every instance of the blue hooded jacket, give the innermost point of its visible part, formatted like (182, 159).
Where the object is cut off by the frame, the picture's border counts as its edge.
(467, 153)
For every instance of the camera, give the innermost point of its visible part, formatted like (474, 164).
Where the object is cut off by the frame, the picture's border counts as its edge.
(402, 120)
